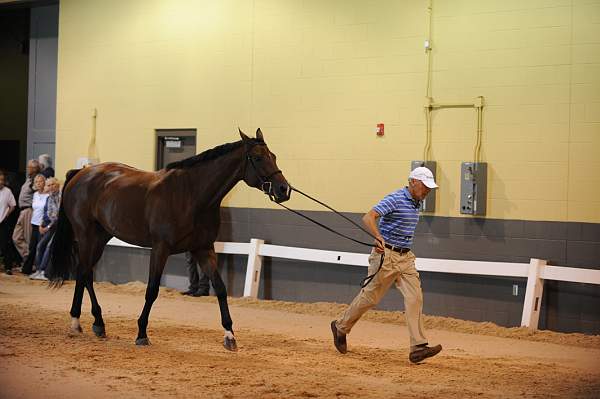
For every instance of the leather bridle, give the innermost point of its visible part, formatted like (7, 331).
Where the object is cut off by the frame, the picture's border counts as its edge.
(266, 184)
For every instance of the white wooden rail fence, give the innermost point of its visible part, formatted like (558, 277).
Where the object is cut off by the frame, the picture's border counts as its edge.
(536, 271)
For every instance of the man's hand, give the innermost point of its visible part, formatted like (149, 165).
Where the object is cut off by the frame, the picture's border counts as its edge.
(379, 244)
(43, 230)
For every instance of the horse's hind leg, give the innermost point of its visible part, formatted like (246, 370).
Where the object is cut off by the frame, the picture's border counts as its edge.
(85, 280)
(76, 305)
(208, 260)
(90, 251)
(98, 326)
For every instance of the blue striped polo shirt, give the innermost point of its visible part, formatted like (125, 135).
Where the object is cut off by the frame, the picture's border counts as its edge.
(399, 217)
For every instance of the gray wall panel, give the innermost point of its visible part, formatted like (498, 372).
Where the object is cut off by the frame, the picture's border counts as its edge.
(233, 272)
(584, 254)
(121, 265)
(43, 58)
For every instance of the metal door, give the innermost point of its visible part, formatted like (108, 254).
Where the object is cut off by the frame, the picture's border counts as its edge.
(174, 145)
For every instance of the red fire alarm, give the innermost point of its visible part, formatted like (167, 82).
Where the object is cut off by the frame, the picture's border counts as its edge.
(380, 129)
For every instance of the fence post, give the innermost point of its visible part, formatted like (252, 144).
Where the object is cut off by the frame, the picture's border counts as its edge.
(253, 269)
(533, 294)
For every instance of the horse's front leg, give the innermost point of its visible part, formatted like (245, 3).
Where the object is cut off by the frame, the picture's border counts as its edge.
(208, 262)
(158, 259)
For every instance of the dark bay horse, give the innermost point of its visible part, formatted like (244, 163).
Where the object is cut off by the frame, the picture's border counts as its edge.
(172, 211)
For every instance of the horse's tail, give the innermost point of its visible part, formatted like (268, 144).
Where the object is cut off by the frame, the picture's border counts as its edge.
(63, 251)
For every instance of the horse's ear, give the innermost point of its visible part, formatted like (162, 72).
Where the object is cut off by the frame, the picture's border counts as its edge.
(259, 135)
(242, 135)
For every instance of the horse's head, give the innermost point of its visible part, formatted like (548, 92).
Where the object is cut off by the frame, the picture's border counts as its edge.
(261, 169)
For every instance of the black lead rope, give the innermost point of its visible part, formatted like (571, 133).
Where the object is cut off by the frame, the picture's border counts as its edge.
(266, 187)
(337, 213)
(365, 281)
(325, 227)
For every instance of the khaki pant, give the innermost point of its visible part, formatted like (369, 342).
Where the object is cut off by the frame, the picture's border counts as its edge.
(399, 269)
(22, 233)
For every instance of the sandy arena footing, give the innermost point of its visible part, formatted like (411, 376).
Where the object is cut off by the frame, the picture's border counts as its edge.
(285, 351)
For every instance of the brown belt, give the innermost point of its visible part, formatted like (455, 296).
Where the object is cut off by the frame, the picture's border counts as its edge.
(400, 250)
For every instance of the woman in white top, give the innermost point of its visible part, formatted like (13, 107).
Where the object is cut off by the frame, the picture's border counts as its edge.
(39, 201)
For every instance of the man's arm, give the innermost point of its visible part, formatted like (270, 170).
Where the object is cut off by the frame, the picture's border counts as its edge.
(370, 221)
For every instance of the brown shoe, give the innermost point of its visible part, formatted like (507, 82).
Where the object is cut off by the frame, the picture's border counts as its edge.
(339, 339)
(421, 353)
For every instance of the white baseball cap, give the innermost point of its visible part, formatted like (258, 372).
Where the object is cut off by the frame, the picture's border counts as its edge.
(423, 174)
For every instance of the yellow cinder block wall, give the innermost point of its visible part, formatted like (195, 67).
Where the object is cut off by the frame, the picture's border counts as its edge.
(318, 75)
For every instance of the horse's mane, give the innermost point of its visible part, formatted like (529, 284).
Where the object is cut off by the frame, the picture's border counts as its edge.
(209, 154)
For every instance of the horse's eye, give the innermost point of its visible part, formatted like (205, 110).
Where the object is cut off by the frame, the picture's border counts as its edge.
(257, 159)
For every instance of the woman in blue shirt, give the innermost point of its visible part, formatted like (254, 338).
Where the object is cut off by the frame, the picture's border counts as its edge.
(47, 228)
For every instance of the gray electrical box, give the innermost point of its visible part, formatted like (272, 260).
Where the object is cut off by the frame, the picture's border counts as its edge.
(473, 188)
(428, 204)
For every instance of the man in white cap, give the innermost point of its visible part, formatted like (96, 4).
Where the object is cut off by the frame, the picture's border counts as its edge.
(393, 221)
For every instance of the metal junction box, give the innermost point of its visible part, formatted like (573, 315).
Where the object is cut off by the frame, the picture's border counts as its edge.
(473, 188)
(428, 204)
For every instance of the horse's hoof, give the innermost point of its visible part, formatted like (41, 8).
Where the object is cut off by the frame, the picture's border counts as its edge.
(99, 331)
(142, 341)
(75, 332)
(230, 344)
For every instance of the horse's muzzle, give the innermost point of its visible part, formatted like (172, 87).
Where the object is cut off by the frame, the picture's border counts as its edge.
(278, 192)
(285, 192)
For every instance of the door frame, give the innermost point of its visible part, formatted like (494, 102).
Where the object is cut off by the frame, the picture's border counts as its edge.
(159, 133)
